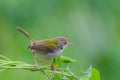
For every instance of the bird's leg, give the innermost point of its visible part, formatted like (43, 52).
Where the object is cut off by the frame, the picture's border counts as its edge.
(51, 65)
(36, 63)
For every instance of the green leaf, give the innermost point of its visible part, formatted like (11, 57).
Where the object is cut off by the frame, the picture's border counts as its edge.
(95, 74)
(91, 74)
(86, 74)
(67, 59)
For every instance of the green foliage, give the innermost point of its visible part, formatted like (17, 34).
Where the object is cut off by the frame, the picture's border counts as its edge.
(62, 73)
(95, 74)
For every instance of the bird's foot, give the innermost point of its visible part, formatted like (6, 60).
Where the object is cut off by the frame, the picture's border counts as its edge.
(36, 67)
(53, 67)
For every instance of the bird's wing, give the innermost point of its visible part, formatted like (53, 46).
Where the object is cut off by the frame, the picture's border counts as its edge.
(44, 48)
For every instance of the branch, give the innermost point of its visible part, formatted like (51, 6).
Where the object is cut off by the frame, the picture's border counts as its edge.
(6, 63)
(61, 73)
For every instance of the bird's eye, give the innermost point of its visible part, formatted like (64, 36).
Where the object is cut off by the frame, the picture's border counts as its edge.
(64, 42)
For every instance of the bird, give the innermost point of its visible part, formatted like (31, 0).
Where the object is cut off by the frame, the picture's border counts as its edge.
(46, 49)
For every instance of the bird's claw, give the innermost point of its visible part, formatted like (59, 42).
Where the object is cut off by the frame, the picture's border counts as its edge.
(53, 67)
(36, 67)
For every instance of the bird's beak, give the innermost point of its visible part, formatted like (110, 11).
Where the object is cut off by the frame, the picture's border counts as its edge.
(69, 43)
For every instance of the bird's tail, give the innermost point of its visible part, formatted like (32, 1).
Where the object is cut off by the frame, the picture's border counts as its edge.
(26, 34)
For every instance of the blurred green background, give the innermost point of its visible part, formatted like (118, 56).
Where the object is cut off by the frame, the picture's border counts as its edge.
(93, 26)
